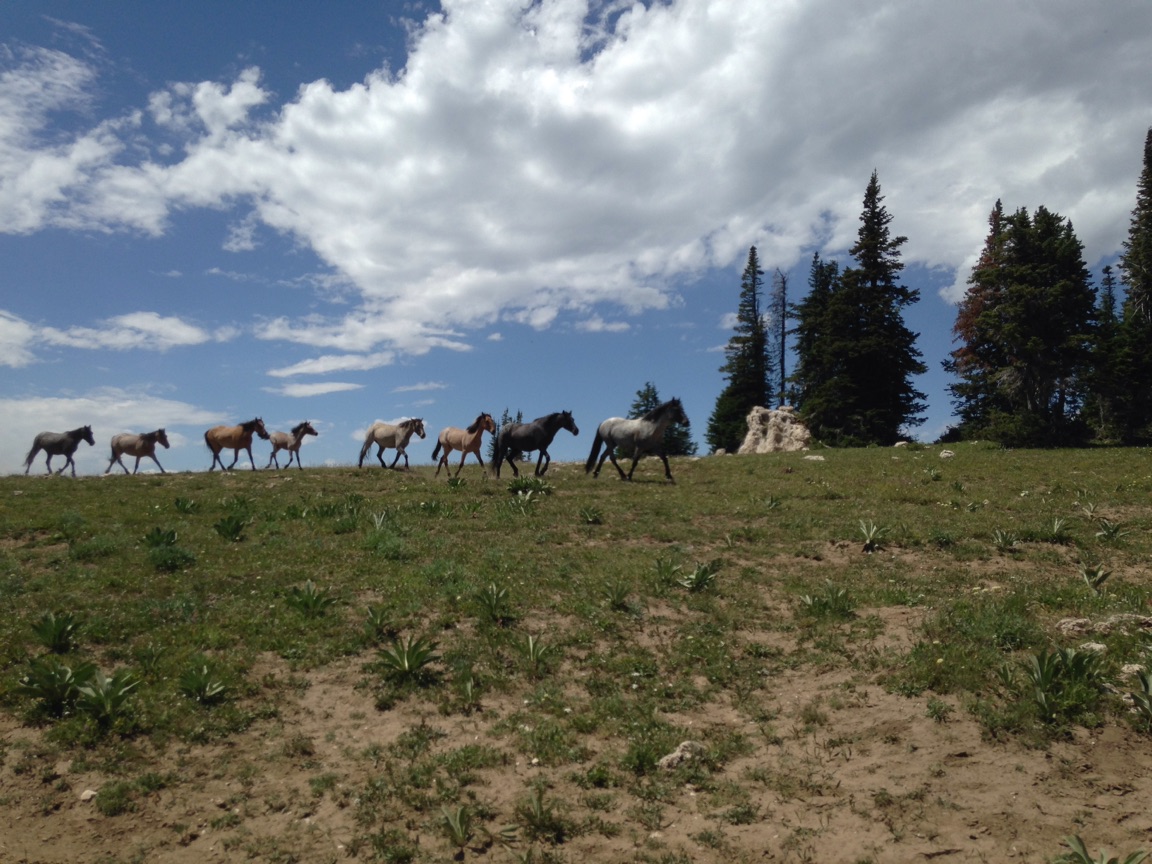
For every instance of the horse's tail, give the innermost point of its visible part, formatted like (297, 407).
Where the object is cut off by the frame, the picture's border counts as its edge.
(498, 450)
(596, 444)
(31, 455)
(366, 447)
(436, 452)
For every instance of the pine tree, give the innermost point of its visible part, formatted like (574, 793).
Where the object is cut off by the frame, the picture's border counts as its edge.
(1027, 327)
(1106, 393)
(815, 367)
(747, 366)
(856, 378)
(505, 419)
(677, 437)
(1134, 363)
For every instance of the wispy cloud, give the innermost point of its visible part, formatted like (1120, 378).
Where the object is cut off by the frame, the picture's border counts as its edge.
(139, 330)
(597, 324)
(335, 363)
(305, 390)
(424, 385)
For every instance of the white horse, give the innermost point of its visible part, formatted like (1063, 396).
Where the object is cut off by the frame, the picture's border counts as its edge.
(138, 446)
(385, 435)
(291, 442)
(639, 436)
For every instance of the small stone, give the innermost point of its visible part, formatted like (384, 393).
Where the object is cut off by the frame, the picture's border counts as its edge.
(87, 794)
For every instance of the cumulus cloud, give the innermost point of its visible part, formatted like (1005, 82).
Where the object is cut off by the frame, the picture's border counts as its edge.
(16, 339)
(139, 330)
(532, 160)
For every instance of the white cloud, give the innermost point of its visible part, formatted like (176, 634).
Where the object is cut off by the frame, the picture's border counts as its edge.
(421, 387)
(137, 330)
(16, 339)
(596, 324)
(528, 162)
(302, 391)
(335, 363)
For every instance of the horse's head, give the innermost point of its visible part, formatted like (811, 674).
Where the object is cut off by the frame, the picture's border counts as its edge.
(257, 426)
(678, 415)
(566, 422)
(161, 437)
(305, 428)
(86, 435)
(488, 423)
(417, 424)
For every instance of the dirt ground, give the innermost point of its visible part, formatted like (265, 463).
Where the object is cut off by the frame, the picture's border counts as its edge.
(879, 781)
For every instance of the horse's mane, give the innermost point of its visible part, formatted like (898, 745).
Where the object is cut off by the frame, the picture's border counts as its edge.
(80, 430)
(476, 423)
(296, 429)
(411, 421)
(660, 410)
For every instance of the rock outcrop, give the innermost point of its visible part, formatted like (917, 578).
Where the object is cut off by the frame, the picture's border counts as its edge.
(778, 430)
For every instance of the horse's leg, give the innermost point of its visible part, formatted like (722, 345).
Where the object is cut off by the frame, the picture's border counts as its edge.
(136, 467)
(69, 461)
(235, 458)
(380, 455)
(400, 452)
(610, 453)
(295, 453)
(545, 459)
(512, 464)
(667, 470)
(250, 459)
(635, 460)
(158, 465)
(273, 458)
(48, 461)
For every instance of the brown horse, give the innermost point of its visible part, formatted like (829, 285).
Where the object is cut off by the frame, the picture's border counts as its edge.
(138, 446)
(236, 438)
(385, 435)
(465, 440)
(291, 442)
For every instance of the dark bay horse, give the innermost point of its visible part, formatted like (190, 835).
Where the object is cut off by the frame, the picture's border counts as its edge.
(291, 442)
(536, 435)
(465, 440)
(138, 446)
(235, 438)
(637, 437)
(59, 444)
(385, 435)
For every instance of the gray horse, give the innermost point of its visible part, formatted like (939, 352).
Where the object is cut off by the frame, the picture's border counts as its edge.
(636, 437)
(385, 435)
(59, 444)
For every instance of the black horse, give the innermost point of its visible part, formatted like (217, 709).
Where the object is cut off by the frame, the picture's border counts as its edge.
(59, 444)
(537, 435)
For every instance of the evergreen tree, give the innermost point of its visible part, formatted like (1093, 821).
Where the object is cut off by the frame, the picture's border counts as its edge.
(1106, 390)
(1026, 326)
(1134, 363)
(857, 381)
(505, 419)
(816, 368)
(677, 437)
(747, 364)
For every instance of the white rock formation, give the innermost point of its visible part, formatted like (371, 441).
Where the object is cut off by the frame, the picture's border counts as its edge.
(775, 431)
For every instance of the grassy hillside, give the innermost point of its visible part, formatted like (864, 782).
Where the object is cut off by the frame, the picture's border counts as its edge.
(311, 665)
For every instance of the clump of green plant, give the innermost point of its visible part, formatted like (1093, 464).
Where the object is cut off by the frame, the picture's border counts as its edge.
(536, 654)
(829, 602)
(1110, 532)
(54, 685)
(873, 534)
(1058, 533)
(1065, 684)
(457, 483)
(493, 605)
(524, 485)
(541, 821)
(1005, 541)
(407, 659)
(615, 594)
(57, 631)
(456, 823)
(667, 573)
(591, 516)
(378, 623)
(938, 710)
(1079, 854)
(105, 699)
(231, 527)
(159, 538)
(1094, 576)
(309, 601)
(1142, 698)
(169, 559)
(702, 577)
(202, 684)
(186, 505)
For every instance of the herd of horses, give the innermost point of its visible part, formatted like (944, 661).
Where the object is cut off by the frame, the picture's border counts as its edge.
(635, 436)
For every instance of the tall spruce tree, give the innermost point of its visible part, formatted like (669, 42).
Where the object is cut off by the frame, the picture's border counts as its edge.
(816, 368)
(1105, 389)
(856, 384)
(678, 436)
(1026, 326)
(1134, 366)
(747, 366)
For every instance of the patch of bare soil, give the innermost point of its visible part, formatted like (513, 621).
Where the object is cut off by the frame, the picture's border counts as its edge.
(842, 772)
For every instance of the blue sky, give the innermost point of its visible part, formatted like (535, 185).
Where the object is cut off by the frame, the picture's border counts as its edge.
(353, 211)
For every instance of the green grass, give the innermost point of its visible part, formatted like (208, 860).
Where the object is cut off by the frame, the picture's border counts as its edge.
(454, 598)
